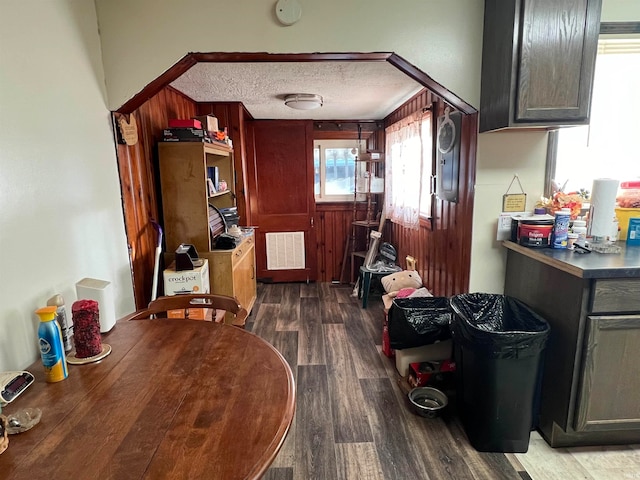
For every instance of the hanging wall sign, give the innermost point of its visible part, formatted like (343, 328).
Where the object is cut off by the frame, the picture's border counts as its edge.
(128, 130)
(514, 202)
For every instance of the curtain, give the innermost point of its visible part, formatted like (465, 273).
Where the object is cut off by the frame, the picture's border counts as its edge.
(404, 169)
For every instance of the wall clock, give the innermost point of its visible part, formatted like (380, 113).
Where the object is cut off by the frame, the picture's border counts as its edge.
(448, 155)
(446, 133)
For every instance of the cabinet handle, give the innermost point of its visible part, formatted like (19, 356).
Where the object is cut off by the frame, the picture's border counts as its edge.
(238, 253)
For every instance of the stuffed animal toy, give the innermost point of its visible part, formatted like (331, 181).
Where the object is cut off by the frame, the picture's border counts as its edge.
(399, 280)
(406, 283)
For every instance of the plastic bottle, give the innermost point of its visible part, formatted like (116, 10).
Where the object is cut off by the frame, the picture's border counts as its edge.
(51, 347)
(61, 317)
(615, 229)
(559, 235)
(580, 227)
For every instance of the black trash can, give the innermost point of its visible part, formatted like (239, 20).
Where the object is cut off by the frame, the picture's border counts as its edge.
(498, 349)
(419, 321)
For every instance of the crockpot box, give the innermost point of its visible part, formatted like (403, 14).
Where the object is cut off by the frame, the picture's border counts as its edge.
(184, 282)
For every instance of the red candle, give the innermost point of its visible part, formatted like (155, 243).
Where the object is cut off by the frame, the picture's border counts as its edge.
(86, 328)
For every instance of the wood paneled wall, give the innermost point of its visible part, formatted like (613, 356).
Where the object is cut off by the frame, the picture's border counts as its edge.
(442, 247)
(138, 168)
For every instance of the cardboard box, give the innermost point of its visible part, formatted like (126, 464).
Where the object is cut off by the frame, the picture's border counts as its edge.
(428, 353)
(184, 282)
(190, 313)
(209, 122)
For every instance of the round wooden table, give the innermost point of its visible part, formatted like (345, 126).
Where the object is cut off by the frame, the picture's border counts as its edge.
(175, 399)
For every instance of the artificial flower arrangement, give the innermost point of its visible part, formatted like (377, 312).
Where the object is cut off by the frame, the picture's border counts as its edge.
(572, 200)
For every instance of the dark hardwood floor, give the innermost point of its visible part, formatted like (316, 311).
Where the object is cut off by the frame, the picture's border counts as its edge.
(352, 420)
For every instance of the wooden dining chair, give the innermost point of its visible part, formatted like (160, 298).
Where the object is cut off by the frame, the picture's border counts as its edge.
(218, 305)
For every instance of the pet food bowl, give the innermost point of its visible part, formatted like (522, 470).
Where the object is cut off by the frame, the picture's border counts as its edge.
(427, 401)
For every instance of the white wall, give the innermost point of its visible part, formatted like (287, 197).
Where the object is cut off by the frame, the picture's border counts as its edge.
(143, 38)
(620, 11)
(500, 156)
(60, 209)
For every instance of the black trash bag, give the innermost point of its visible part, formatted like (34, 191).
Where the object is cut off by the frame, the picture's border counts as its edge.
(497, 326)
(419, 321)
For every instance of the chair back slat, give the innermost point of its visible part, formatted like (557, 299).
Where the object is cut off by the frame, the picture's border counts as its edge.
(190, 301)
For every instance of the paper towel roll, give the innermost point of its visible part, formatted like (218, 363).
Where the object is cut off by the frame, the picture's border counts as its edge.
(603, 207)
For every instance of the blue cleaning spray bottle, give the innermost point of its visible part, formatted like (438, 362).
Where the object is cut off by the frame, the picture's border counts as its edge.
(51, 346)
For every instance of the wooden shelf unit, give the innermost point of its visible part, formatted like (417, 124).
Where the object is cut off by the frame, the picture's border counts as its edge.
(185, 207)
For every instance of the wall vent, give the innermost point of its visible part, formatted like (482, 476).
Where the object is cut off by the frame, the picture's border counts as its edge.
(285, 251)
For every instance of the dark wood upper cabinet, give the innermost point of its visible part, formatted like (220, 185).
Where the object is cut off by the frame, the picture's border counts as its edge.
(538, 60)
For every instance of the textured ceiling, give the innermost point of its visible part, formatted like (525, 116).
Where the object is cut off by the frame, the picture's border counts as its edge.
(351, 90)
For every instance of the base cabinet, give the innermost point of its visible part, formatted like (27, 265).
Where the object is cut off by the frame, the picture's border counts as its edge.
(233, 273)
(591, 381)
(609, 395)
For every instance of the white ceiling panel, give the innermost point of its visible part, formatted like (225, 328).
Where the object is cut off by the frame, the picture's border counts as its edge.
(362, 90)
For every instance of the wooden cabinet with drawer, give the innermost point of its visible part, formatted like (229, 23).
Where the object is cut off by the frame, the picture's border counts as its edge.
(233, 273)
(619, 295)
(186, 205)
(591, 381)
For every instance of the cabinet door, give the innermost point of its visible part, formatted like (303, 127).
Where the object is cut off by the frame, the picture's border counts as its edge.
(244, 277)
(609, 396)
(557, 42)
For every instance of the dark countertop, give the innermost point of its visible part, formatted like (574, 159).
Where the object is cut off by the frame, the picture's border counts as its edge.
(625, 264)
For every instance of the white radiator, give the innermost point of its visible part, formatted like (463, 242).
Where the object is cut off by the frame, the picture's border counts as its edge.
(285, 251)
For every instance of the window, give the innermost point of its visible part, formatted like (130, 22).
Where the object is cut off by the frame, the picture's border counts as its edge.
(334, 163)
(608, 147)
(408, 170)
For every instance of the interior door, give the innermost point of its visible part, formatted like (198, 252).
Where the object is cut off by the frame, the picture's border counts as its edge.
(282, 205)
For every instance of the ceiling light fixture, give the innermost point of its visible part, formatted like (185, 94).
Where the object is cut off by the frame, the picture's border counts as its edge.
(303, 101)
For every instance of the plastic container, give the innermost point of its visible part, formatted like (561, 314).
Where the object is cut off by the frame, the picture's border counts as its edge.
(629, 195)
(580, 227)
(51, 346)
(498, 346)
(571, 240)
(535, 234)
(559, 235)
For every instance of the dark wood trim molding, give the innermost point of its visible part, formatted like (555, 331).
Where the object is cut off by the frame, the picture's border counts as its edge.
(240, 57)
(184, 64)
(617, 28)
(424, 79)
